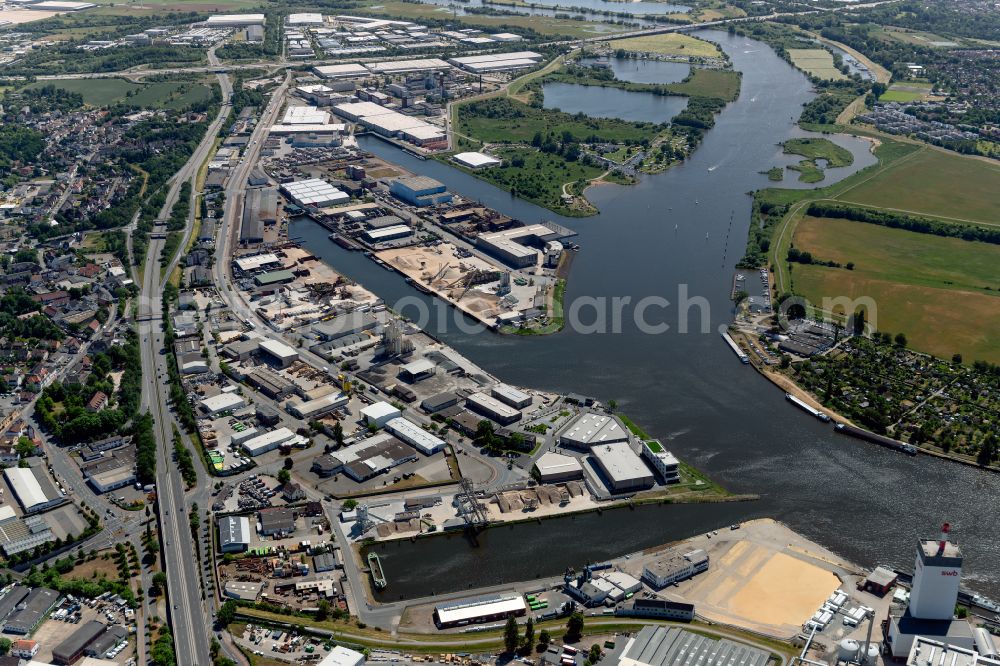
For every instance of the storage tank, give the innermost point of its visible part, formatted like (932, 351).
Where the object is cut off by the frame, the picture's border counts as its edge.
(872, 659)
(984, 643)
(847, 650)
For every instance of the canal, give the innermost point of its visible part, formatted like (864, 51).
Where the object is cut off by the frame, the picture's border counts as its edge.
(676, 236)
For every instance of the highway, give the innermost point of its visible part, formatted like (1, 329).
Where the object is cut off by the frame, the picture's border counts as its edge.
(187, 614)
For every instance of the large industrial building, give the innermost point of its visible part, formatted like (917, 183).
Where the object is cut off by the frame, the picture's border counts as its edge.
(408, 431)
(234, 534)
(658, 608)
(930, 613)
(590, 429)
(222, 402)
(390, 123)
(497, 62)
(555, 467)
(674, 568)
(408, 66)
(33, 489)
(371, 457)
(344, 71)
(269, 441)
(480, 609)
(30, 611)
(234, 20)
(282, 354)
(492, 408)
(260, 209)
(315, 193)
(623, 470)
(514, 397)
(517, 247)
(341, 656)
(420, 191)
(671, 646)
(379, 413)
(476, 161)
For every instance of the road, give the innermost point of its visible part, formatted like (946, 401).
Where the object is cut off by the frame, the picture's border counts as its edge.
(187, 614)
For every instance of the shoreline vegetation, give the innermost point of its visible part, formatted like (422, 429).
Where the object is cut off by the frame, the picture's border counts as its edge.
(549, 156)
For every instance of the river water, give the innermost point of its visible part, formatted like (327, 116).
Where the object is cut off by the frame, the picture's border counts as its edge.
(598, 102)
(685, 229)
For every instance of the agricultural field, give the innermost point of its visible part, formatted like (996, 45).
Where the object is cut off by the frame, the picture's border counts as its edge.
(161, 94)
(669, 44)
(942, 293)
(816, 62)
(934, 183)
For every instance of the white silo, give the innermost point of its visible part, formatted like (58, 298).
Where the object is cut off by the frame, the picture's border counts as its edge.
(872, 658)
(847, 650)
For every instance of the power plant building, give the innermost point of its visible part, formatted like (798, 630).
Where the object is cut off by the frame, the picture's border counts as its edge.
(624, 471)
(937, 574)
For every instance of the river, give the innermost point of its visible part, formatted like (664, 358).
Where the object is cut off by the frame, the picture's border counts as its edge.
(688, 227)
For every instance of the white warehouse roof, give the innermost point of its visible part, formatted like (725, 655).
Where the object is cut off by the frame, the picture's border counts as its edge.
(256, 261)
(235, 19)
(268, 440)
(314, 192)
(278, 349)
(593, 429)
(305, 115)
(24, 482)
(345, 71)
(308, 18)
(556, 464)
(489, 607)
(341, 656)
(476, 160)
(379, 410)
(401, 66)
(415, 436)
(223, 401)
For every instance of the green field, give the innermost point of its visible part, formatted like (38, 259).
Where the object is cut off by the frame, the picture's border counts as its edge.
(943, 293)
(934, 183)
(815, 149)
(671, 43)
(108, 92)
(719, 83)
(540, 178)
(899, 96)
(817, 62)
(504, 120)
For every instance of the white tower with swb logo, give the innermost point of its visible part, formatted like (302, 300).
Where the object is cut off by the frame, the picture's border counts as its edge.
(936, 576)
